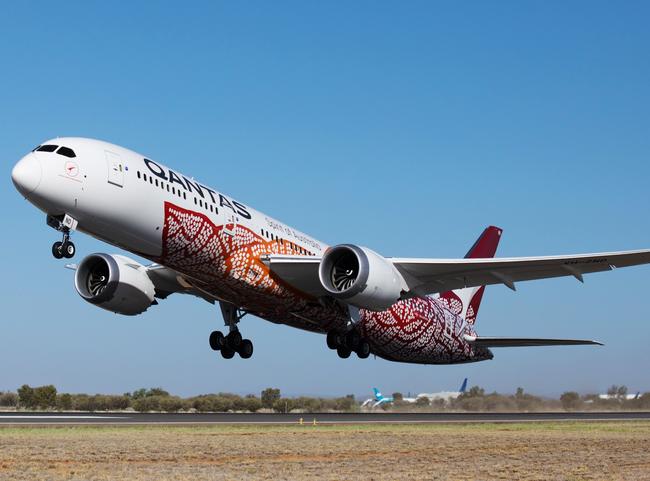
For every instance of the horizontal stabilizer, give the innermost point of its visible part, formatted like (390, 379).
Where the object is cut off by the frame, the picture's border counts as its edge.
(526, 342)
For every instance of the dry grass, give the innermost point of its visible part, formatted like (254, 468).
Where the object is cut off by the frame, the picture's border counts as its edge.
(557, 451)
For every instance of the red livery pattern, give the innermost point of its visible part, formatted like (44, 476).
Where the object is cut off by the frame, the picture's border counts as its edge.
(224, 261)
(421, 330)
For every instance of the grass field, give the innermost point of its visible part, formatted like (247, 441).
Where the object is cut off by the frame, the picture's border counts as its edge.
(529, 451)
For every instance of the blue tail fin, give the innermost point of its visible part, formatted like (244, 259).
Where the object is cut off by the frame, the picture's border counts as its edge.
(463, 386)
(378, 396)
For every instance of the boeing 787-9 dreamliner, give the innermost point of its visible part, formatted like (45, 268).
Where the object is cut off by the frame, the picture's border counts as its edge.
(202, 242)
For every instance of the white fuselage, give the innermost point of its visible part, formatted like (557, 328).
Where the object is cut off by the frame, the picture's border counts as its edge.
(217, 244)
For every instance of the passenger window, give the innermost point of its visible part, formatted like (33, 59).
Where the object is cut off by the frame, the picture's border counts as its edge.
(174, 190)
(139, 174)
(67, 152)
(144, 176)
(47, 148)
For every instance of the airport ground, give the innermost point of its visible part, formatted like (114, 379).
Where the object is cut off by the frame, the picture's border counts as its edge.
(553, 450)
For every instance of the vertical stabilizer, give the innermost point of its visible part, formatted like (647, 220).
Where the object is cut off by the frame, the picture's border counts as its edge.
(465, 302)
(463, 387)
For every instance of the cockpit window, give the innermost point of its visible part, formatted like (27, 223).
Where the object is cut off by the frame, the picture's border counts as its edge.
(47, 148)
(67, 151)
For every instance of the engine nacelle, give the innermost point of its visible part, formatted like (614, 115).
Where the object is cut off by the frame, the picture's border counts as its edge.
(361, 277)
(115, 283)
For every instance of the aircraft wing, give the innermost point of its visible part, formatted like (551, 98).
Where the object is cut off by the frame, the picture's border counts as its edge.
(430, 276)
(525, 341)
(167, 281)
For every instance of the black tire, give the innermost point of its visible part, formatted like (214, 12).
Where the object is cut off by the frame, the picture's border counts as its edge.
(227, 353)
(57, 250)
(343, 352)
(245, 349)
(363, 351)
(352, 340)
(333, 339)
(68, 250)
(234, 340)
(217, 340)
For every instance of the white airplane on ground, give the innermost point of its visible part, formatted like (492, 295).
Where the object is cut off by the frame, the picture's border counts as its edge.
(445, 395)
(627, 397)
(205, 243)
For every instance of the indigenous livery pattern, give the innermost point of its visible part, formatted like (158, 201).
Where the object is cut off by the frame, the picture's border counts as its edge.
(421, 330)
(225, 262)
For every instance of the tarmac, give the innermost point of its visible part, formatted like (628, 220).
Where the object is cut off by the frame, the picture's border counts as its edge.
(128, 418)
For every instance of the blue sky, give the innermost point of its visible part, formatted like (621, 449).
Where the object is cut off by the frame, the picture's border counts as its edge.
(406, 127)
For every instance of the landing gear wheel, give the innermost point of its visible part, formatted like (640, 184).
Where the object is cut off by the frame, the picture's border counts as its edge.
(234, 340)
(227, 353)
(57, 250)
(363, 351)
(217, 340)
(245, 349)
(68, 249)
(343, 352)
(352, 340)
(333, 340)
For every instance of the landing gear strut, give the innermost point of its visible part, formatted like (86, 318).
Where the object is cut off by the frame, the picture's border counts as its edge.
(346, 343)
(232, 342)
(64, 247)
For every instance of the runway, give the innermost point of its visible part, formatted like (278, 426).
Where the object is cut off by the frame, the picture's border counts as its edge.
(9, 418)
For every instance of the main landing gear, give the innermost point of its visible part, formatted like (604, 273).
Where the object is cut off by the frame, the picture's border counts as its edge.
(64, 247)
(345, 343)
(232, 342)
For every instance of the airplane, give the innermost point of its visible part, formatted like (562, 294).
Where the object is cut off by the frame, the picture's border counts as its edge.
(204, 243)
(445, 395)
(378, 399)
(627, 397)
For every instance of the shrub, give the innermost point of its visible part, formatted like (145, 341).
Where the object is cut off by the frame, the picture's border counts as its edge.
(8, 399)
(26, 397)
(570, 400)
(64, 402)
(269, 397)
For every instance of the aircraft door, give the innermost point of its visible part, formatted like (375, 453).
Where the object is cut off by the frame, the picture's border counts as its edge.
(115, 169)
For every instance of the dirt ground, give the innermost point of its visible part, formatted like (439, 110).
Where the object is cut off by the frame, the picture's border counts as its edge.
(530, 451)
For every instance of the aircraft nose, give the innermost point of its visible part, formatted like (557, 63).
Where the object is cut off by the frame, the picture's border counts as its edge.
(26, 174)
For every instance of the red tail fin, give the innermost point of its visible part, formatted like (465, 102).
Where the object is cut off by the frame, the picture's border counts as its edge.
(465, 302)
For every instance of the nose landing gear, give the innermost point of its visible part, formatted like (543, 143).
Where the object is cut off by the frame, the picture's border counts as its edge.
(233, 342)
(64, 247)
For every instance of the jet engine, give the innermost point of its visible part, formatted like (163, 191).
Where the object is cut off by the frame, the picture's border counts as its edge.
(361, 277)
(115, 283)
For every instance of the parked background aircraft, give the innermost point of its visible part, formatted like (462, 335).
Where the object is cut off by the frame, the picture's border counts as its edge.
(377, 400)
(444, 395)
(205, 243)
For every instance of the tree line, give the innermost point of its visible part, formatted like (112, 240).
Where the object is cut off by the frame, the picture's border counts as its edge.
(157, 399)
(270, 399)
